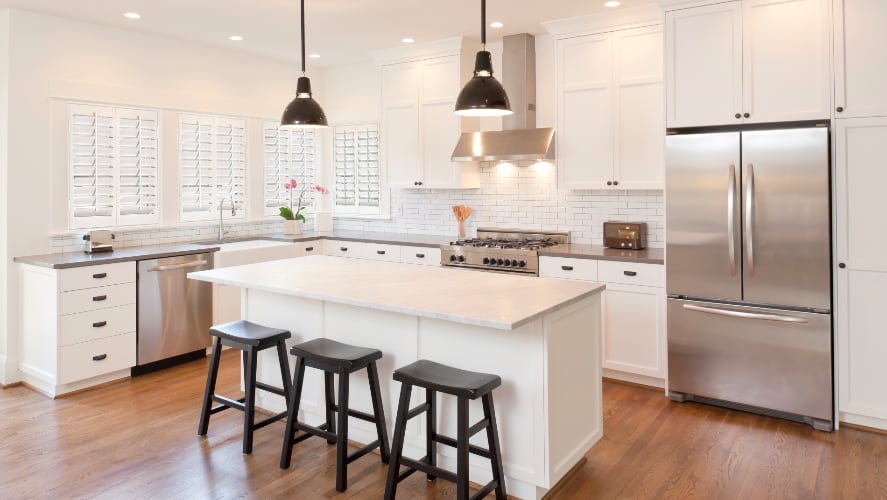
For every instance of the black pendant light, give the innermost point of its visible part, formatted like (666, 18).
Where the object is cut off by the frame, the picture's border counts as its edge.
(303, 111)
(483, 95)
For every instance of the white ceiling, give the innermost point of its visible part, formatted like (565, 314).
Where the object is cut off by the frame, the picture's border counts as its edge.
(341, 31)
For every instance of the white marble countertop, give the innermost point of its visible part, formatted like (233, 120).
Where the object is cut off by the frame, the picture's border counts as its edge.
(473, 297)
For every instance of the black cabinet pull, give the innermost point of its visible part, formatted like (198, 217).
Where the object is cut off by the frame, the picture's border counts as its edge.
(839, 109)
(747, 115)
(99, 357)
(99, 324)
(99, 298)
(343, 249)
(309, 249)
(630, 273)
(615, 183)
(380, 252)
(100, 276)
(420, 255)
(567, 268)
(842, 265)
(738, 115)
(609, 183)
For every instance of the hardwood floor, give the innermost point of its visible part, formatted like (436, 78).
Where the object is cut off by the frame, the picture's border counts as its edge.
(137, 439)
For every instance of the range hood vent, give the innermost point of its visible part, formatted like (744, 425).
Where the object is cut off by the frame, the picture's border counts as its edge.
(521, 140)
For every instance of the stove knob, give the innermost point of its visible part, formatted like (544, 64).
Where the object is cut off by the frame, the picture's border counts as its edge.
(499, 262)
(486, 260)
(522, 263)
(461, 258)
(492, 261)
(452, 258)
(508, 262)
(514, 263)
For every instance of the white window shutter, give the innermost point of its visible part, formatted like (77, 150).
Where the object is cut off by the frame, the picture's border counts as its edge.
(289, 154)
(358, 176)
(213, 161)
(138, 157)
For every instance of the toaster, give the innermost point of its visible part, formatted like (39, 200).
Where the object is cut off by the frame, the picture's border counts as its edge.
(98, 241)
(625, 235)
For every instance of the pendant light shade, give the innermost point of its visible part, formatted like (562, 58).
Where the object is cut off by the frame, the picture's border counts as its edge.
(483, 95)
(303, 111)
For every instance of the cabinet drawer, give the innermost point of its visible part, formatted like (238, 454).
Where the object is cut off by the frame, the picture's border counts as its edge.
(420, 255)
(83, 327)
(631, 273)
(93, 276)
(375, 251)
(77, 301)
(97, 357)
(339, 248)
(566, 268)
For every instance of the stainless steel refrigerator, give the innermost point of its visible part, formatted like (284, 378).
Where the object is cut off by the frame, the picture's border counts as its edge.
(748, 271)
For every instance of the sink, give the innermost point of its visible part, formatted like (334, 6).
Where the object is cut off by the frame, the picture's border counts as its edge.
(243, 245)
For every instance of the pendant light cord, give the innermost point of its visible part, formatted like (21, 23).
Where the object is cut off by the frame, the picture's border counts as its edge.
(483, 23)
(303, 37)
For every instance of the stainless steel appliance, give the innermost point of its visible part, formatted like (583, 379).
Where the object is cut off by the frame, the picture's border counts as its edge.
(502, 250)
(97, 241)
(748, 266)
(174, 312)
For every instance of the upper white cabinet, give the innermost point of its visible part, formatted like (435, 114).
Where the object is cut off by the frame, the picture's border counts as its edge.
(860, 62)
(610, 127)
(748, 62)
(419, 129)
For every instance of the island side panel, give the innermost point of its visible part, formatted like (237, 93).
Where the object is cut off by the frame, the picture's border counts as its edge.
(573, 372)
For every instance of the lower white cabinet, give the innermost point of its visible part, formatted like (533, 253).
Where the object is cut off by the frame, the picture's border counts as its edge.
(425, 256)
(78, 325)
(633, 314)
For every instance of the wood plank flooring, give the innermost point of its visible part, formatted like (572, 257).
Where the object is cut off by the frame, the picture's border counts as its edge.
(137, 439)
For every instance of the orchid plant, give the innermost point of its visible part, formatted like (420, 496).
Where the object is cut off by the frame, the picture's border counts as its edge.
(291, 185)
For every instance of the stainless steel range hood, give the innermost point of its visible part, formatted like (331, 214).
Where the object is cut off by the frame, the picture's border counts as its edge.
(520, 139)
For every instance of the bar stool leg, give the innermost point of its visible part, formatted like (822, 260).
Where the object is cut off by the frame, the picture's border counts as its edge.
(284, 371)
(210, 389)
(430, 430)
(249, 398)
(292, 413)
(495, 451)
(400, 427)
(379, 412)
(329, 397)
(462, 449)
(342, 434)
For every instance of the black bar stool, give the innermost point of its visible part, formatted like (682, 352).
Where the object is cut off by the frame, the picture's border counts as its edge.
(335, 358)
(465, 385)
(250, 338)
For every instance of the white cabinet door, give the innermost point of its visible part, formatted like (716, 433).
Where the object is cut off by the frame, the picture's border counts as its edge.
(786, 71)
(584, 138)
(634, 330)
(639, 127)
(860, 63)
(703, 50)
(400, 123)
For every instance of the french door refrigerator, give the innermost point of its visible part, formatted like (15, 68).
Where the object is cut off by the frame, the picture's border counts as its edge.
(748, 271)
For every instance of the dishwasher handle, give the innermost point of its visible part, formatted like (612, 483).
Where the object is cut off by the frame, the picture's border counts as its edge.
(172, 267)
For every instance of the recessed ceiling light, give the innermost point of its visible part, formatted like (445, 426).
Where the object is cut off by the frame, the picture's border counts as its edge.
(612, 3)
(235, 38)
(496, 24)
(407, 40)
(132, 15)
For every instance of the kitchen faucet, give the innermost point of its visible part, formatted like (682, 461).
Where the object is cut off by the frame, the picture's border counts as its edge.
(221, 213)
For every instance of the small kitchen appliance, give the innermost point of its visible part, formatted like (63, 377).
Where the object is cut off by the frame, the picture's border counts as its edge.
(98, 241)
(512, 251)
(625, 235)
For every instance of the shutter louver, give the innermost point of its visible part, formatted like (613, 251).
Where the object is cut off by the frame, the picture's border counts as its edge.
(289, 154)
(138, 167)
(213, 163)
(358, 178)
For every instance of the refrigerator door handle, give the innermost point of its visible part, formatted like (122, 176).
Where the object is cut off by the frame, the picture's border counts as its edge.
(749, 219)
(731, 218)
(743, 314)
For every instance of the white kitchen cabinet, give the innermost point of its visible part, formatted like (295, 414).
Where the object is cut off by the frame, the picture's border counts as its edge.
(419, 128)
(860, 64)
(861, 146)
(753, 61)
(610, 127)
(78, 326)
(426, 256)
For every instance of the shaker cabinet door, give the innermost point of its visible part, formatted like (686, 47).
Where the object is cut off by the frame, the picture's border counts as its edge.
(860, 63)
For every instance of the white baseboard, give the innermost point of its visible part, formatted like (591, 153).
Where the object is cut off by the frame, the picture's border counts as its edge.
(633, 378)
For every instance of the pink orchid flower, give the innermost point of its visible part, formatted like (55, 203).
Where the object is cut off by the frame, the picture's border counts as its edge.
(291, 184)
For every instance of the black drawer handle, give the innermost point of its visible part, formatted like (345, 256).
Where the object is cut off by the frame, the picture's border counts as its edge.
(567, 268)
(344, 249)
(99, 298)
(420, 255)
(309, 249)
(630, 273)
(99, 324)
(99, 357)
(100, 276)
(380, 252)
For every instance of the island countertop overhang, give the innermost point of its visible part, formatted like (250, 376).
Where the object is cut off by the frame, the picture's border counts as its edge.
(491, 300)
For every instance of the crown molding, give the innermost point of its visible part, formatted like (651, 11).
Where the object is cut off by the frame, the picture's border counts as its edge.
(643, 15)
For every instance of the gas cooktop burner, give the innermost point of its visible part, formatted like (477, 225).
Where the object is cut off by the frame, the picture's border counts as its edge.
(502, 250)
(518, 244)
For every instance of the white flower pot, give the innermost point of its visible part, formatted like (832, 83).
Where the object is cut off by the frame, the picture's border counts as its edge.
(293, 227)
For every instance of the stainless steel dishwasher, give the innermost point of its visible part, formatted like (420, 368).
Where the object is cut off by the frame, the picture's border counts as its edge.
(174, 312)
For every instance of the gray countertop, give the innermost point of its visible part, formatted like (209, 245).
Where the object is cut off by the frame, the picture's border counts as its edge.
(80, 259)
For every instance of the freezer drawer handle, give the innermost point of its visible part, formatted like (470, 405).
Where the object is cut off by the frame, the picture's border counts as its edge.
(567, 268)
(743, 314)
(99, 298)
(100, 276)
(172, 267)
(630, 273)
(99, 357)
(99, 324)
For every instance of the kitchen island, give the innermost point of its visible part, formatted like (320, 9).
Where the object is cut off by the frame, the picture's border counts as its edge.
(542, 336)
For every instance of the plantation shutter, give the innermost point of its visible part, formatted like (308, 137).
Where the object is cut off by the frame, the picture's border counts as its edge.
(289, 154)
(358, 178)
(137, 167)
(212, 157)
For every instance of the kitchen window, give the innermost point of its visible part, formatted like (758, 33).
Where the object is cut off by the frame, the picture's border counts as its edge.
(113, 166)
(358, 179)
(213, 162)
(289, 154)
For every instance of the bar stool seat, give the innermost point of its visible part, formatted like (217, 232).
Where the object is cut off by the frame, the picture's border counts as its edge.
(335, 358)
(250, 339)
(466, 386)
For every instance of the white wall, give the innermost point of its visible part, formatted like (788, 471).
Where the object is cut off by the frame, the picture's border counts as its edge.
(53, 59)
(6, 369)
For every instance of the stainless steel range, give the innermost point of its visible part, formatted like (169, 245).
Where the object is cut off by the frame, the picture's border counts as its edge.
(502, 250)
